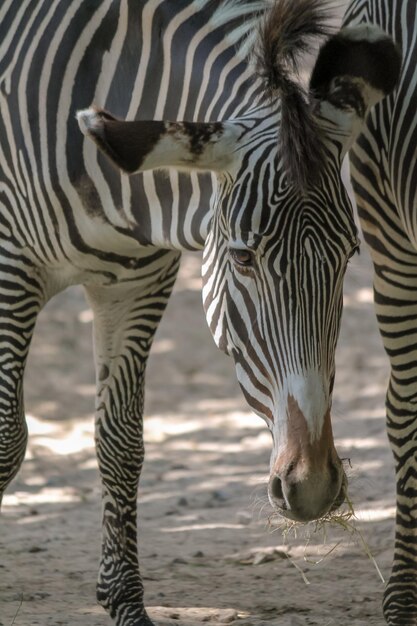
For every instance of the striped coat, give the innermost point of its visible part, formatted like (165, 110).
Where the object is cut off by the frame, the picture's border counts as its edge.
(262, 193)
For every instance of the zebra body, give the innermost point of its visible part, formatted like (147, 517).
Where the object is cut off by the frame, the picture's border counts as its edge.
(384, 174)
(274, 220)
(69, 218)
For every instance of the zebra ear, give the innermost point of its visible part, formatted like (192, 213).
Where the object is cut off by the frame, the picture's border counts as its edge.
(354, 70)
(146, 145)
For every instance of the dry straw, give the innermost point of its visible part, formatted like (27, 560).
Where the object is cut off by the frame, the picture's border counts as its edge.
(18, 610)
(344, 519)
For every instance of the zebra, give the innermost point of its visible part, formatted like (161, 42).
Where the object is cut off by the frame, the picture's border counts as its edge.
(264, 200)
(384, 175)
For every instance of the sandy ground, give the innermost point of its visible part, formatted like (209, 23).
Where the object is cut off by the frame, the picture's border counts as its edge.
(208, 553)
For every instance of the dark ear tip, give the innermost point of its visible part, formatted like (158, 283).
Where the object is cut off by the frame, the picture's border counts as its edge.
(387, 54)
(363, 51)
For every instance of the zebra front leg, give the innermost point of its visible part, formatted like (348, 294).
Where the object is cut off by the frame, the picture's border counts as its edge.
(21, 297)
(396, 307)
(125, 320)
(400, 598)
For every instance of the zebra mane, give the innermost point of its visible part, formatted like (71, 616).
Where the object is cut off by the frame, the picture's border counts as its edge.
(274, 35)
(285, 34)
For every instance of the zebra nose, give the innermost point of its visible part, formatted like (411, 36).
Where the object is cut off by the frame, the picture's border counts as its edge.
(306, 496)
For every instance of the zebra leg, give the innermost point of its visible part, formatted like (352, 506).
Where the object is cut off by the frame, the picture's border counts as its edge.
(125, 320)
(21, 297)
(395, 296)
(396, 308)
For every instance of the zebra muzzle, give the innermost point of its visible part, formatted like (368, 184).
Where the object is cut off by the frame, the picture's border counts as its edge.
(311, 497)
(307, 478)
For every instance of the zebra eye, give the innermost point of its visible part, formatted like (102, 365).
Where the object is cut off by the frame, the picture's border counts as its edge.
(243, 258)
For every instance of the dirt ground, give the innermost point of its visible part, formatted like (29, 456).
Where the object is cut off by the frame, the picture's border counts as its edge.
(208, 553)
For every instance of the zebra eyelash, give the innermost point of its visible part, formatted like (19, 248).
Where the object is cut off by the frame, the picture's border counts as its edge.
(243, 260)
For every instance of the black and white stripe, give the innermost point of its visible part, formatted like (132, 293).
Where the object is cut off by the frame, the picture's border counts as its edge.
(384, 172)
(270, 211)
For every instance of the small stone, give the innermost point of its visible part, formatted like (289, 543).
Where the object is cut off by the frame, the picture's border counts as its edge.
(265, 556)
(54, 481)
(220, 496)
(182, 501)
(227, 617)
(172, 512)
(199, 554)
(244, 517)
(35, 549)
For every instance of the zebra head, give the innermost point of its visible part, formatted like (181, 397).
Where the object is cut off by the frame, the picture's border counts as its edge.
(281, 233)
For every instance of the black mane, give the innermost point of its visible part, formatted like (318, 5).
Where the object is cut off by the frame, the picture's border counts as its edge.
(286, 33)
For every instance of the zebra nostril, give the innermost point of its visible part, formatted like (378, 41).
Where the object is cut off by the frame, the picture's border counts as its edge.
(276, 488)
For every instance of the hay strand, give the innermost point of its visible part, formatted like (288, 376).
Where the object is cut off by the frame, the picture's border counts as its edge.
(344, 519)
